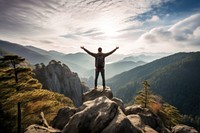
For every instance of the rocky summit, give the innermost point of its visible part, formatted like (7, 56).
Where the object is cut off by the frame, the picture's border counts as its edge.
(59, 78)
(103, 113)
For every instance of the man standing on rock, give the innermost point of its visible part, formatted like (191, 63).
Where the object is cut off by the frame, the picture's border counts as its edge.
(100, 63)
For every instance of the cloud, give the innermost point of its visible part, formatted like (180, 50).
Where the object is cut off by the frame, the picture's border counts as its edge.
(66, 24)
(37, 17)
(154, 18)
(156, 35)
(184, 32)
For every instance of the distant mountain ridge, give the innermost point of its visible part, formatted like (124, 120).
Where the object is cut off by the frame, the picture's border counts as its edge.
(35, 56)
(116, 68)
(31, 56)
(175, 78)
(81, 63)
(143, 57)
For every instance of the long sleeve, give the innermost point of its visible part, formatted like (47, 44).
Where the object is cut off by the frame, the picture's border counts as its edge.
(109, 53)
(90, 53)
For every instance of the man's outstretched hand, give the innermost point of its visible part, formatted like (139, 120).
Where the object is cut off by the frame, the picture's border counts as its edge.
(82, 47)
(117, 47)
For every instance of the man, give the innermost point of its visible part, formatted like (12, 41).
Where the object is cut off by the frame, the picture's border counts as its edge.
(100, 64)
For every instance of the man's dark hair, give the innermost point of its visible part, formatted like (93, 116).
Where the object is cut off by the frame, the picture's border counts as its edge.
(100, 49)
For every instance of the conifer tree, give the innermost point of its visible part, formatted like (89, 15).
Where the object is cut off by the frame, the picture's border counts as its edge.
(14, 60)
(32, 97)
(168, 113)
(144, 96)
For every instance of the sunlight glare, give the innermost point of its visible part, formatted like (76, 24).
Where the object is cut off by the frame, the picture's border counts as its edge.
(108, 27)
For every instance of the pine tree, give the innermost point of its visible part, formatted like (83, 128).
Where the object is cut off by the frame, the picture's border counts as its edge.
(144, 97)
(14, 60)
(32, 97)
(168, 113)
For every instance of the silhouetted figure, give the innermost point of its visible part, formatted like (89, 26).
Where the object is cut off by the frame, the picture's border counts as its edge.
(100, 63)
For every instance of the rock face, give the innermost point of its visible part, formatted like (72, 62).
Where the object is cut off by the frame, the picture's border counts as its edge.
(146, 117)
(101, 113)
(63, 117)
(95, 93)
(120, 103)
(183, 129)
(92, 116)
(136, 121)
(59, 78)
(121, 124)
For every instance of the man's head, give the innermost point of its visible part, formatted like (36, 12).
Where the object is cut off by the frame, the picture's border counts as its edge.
(99, 49)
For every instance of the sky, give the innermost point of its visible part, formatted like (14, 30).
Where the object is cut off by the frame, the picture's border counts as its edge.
(136, 26)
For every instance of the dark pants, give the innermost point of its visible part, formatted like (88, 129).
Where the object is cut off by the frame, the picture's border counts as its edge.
(102, 71)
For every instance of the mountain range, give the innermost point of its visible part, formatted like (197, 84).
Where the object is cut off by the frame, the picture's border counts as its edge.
(175, 78)
(116, 68)
(81, 63)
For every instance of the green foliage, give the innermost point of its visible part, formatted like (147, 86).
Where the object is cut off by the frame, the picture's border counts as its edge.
(175, 78)
(33, 99)
(144, 96)
(168, 113)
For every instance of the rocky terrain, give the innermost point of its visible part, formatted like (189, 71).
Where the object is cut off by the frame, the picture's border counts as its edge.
(59, 78)
(103, 113)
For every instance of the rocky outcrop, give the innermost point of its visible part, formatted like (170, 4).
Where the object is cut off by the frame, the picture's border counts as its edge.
(120, 103)
(95, 93)
(183, 129)
(59, 78)
(101, 113)
(136, 121)
(121, 124)
(146, 116)
(63, 117)
(92, 116)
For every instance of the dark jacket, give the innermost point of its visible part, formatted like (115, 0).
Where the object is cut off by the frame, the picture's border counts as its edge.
(97, 55)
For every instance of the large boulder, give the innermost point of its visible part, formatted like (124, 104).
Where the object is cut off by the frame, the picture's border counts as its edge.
(136, 121)
(121, 124)
(63, 117)
(147, 117)
(95, 93)
(183, 129)
(136, 109)
(92, 117)
(120, 103)
(100, 115)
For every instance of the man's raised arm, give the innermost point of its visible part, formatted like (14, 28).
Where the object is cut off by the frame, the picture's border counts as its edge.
(90, 53)
(109, 53)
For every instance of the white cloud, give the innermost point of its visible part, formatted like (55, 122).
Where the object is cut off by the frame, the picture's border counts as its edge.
(154, 18)
(69, 24)
(184, 35)
(38, 17)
